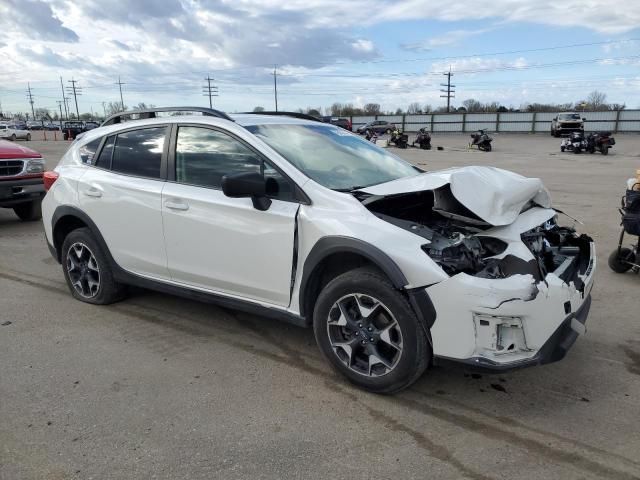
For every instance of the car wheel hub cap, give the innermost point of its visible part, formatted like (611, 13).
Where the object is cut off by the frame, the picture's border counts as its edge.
(83, 270)
(364, 335)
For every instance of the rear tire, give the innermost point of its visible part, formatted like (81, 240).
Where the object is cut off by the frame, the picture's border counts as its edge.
(604, 150)
(562, 149)
(29, 212)
(617, 260)
(87, 270)
(13, 137)
(369, 332)
(28, 137)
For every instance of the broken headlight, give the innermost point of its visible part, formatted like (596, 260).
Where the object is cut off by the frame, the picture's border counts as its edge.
(456, 252)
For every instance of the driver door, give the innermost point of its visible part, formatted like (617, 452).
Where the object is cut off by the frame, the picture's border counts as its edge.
(224, 244)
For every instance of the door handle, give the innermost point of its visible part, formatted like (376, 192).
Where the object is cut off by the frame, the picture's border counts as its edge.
(176, 205)
(93, 192)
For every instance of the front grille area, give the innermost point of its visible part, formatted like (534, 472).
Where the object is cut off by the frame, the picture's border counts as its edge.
(10, 167)
(570, 125)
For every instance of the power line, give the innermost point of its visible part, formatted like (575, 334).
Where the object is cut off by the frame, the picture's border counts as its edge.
(76, 91)
(210, 90)
(275, 85)
(64, 101)
(449, 92)
(30, 97)
(119, 83)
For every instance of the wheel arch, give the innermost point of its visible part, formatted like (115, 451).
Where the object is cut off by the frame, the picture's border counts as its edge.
(65, 219)
(332, 256)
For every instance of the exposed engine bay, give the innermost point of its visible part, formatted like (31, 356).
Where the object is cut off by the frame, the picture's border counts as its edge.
(458, 242)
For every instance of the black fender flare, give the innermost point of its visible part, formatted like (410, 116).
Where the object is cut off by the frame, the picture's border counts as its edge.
(69, 211)
(327, 246)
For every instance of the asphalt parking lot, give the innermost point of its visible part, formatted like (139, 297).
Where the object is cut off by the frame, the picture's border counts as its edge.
(162, 387)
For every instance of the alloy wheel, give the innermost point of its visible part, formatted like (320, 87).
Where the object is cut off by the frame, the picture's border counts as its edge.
(83, 270)
(364, 335)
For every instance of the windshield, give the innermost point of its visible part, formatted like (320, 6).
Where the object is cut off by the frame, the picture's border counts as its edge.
(569, 116)
(333, 157)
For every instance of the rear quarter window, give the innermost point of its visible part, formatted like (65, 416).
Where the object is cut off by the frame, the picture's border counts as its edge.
(87, 152)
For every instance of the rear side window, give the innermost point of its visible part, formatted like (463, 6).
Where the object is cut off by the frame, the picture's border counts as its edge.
(139, 152)
(104, 159)
(88, 151)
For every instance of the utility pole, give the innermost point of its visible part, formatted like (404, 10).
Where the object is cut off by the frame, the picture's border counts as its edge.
(119, 83)
(275, 85)
(210, 90)
(60, 102)
(449, 93)
(64, 101)
(76, 91)
(30, 97)
(104, 109)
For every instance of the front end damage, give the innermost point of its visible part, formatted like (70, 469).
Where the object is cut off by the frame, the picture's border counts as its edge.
(518, 294)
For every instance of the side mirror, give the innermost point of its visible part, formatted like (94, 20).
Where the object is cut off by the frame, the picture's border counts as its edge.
(584, 119)
(243, 185)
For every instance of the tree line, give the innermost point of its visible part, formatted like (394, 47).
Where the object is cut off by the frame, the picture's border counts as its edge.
(595, 101)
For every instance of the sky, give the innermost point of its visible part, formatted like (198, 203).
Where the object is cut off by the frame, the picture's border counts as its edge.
(324, 51)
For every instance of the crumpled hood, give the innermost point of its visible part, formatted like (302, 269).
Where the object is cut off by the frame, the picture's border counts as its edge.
(495, 195)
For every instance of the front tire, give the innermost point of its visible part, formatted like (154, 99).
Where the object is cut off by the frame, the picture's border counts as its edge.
(87, 270)
(369, 332)
(28, 137)
(604, 150)
(13, 137)
(29, 212)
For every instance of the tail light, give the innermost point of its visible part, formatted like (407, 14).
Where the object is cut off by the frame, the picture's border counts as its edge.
(49, 179)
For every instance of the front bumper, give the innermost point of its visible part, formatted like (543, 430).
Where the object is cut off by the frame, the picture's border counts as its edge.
(16, 191)
(511, 323)
(554, 349)
(568, 129)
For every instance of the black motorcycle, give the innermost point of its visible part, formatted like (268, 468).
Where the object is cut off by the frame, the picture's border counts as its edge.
(423, 139)
(482, 140)
(601, 142)
(399, 139)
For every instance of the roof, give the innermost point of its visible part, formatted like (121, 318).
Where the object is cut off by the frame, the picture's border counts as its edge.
(9, 150)
(246, 119)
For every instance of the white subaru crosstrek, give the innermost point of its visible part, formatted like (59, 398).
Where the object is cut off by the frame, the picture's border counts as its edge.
(395, 268)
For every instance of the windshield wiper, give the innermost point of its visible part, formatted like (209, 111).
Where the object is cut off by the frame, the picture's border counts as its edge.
(350, 189)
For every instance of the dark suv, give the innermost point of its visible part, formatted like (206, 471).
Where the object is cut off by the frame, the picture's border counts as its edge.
(377, 126)
(339, 122)
(72, 129)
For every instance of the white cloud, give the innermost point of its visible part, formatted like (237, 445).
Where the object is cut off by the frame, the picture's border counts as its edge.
(450, 38)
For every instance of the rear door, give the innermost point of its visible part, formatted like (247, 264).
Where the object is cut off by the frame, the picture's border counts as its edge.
(121, 193)
(220, 243)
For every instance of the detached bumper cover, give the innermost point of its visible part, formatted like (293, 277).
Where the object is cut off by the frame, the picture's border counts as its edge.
(553, 350)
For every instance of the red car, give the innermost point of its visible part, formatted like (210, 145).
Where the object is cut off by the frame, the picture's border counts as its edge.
(21, 180)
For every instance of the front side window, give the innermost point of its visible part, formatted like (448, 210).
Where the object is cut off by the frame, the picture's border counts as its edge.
(333, 157)
(139, 152)
(204, 156)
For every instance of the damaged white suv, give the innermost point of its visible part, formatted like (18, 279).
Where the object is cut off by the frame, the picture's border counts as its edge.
(395, 268)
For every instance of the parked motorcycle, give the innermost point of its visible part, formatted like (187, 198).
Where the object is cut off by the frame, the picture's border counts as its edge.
(576, 143)
(371, 136)
(482, 140)
(600, 141)
(423, 139)
(399, 139)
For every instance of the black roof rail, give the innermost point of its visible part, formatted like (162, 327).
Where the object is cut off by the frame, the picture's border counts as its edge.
(151, 113)
(302, 116)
